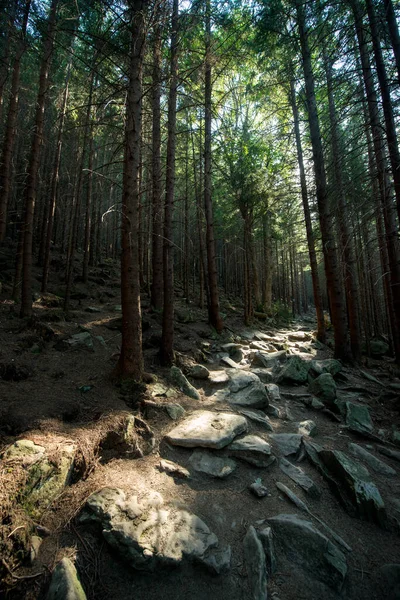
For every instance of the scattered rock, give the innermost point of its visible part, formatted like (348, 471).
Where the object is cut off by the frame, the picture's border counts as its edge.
(287, 443)
(230, 362)
(258, 489)
(254, 557)
(308, 548)
(299, 336)
(238, 380)
(174, 469)
(273, 392)
(295, 371)
(148, 534)
(199, 372)
(324, 387)
(207, 429)
(358, 418)
(297, 475)
(175, 411)
(65, 584)
(218, 377)
(252, 449)
(389, 452)
(217, 561)
(133, 438)
(329, 365)
(272, 411)
(267, 539)
(307, 428)
(178, 378)
(234, 351)
(215, 466)
(352, 484)
(371, 460)
(265, 375)
(247, 390)
(79, 341)
(258, 416)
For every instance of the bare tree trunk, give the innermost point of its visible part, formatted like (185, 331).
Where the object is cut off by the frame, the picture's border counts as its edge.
(394, 32)
(167, 342)
(88, 210)
(130, 363)
(9, 137)
(268, 264)
(321, 333)
(213, 307)
(33, 168)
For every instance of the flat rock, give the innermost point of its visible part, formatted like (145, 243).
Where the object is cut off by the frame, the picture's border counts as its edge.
(207, 429)
(307, 547)
(215, 466)
(358, 418)
(256, 568)
(258, 416)
(268, 359)
(252, 396)
(295, 371)
(149, 533)
(297, 475)
(238, 380)
(252, 449)
(178, 378)
(372, 461)
(65, 584)
(286, 443)
(299, 336)
(174, 469)
(352, 484)
(218, 377)
(307, 428)
(227, 360)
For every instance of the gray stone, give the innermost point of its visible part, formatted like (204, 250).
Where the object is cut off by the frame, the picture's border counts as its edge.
(297, 475)
(252, 449)
(230, 362)
(266, 537)
(329, 365)
(234, 351)
(199, 372)
(174, 469)
(258, 489)
(80, 341)
(389, 452)
(175, 411)
(215, 466)
(372, 461)
(268, 360)
(252, 396)
(258, 416)
(239, 380)
(207, 429)
(273, 392)
(358, 418)
(299, 336)
(307, 428)
(295, 371)
(218, 377)
(308, 548)
(254, 557)
(378, 348)
(148, 533)
(265, 375)
(272, 411)
(286, 443)
(324, 387)
(352, 484)
(217, 561)
(65, 584)
(178, 378)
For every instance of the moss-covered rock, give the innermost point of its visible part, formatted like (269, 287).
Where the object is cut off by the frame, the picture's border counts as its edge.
(295, 371)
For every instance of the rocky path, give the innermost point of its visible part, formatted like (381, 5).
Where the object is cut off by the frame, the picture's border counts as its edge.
(265, 470)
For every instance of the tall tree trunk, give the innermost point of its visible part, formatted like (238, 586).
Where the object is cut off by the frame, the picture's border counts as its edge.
(268, 264)
(332, 267)
(130, 363)
(167, 341)
(393, 32)
(54, 184)
(213, 307)
(321, 333)
(9, 137)
(391, 134)
(88, 210)
(157, 216)
(384, 192)
(33, 168)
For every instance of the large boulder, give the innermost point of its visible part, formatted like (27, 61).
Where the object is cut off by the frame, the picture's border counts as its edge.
(358, 418)
(295, 370)
(207, 429)
(148, 533)
(329, 365)
(286, 443)
(65, 584)
(268, 360)
(247, 390)
(306, 547)
(324, 387)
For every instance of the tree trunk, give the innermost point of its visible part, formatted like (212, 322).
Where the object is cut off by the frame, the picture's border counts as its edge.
(130, 363)
(9, 137)
(167, 341)
(33, 168)
(393, 32)
(321, 333)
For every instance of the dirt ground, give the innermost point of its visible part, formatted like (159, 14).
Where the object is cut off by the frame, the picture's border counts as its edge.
(48, 392)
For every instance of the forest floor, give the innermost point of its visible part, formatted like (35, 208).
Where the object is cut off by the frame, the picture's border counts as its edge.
(54, 393)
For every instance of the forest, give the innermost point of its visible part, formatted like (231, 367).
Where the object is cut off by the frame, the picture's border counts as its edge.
(199, 239)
